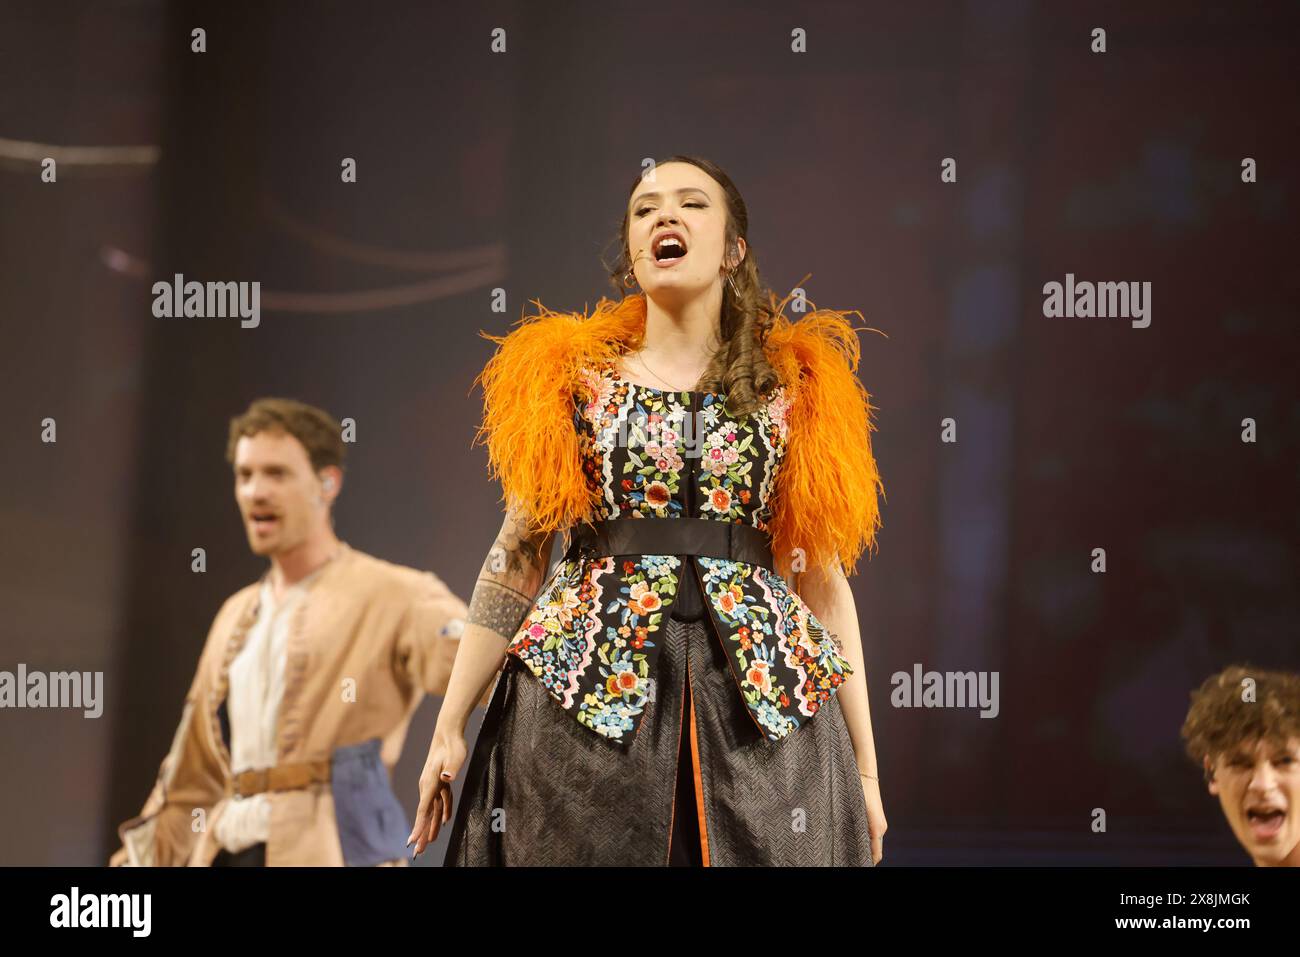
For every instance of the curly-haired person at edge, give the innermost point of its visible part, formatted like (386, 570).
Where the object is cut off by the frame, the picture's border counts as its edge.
(1243, 731)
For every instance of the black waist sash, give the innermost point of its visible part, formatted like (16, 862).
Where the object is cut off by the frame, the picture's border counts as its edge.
(706, 537)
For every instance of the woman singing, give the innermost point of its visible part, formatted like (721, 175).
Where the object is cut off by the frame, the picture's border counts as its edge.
(667, 697)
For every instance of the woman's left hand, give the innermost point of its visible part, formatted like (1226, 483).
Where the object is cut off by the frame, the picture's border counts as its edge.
(875, 817)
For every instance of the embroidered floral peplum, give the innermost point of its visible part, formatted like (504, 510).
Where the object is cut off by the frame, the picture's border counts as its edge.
(591, 636)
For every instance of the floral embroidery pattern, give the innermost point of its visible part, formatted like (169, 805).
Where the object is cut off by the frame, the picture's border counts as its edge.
(591, 634)
(648, 586)
(780, 650)
(652, 472)
(725, 471)
(557, 637)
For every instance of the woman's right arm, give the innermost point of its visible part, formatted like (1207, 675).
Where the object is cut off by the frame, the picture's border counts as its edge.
(508, 583)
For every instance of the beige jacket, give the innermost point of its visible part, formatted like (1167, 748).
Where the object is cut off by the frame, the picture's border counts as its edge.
(368, 641)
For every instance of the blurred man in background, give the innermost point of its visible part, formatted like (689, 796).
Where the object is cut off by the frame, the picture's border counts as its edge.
(308, 679)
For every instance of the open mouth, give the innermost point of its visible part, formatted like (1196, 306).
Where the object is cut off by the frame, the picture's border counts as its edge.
(263, 522)
(1265, 823)
(669, 248)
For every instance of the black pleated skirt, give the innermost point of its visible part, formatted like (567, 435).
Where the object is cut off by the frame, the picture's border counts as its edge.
(698, 784)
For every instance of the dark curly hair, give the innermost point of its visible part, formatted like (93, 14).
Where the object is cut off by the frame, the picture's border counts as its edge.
(740, 367)
(1219, 720)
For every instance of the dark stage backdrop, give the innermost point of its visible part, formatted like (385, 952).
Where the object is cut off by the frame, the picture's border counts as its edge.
(482, 171)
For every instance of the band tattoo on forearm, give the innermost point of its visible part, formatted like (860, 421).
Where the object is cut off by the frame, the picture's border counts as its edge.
(497, 607)
(515, 559)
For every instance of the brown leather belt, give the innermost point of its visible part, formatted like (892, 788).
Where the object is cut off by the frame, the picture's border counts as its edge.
(711, 538)
(282, 777)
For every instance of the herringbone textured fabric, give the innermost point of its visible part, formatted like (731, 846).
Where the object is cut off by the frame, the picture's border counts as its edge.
(540, 789)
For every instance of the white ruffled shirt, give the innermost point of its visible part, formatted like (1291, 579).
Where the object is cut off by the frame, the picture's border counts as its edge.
(253, 704)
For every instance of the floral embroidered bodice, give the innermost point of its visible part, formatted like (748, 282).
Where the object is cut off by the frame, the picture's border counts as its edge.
(592, 635)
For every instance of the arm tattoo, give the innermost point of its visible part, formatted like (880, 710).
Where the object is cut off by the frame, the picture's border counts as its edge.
(512, 554)
(514, 562)
(498, 607)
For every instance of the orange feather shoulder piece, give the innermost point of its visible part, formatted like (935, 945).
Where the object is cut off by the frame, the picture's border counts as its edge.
(828, 485)
(528, 406)
(828, 482)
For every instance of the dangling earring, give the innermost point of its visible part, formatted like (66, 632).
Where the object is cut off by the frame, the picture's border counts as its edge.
(732, 271)
(629, 280)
